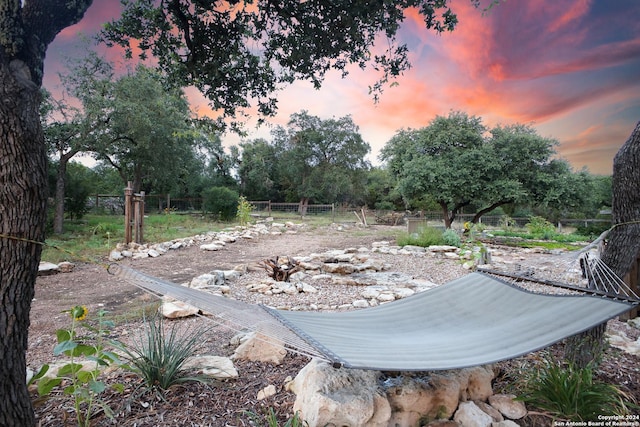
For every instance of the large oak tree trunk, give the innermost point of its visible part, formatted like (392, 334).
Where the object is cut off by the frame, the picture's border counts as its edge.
(27, 28)
(22, 221)
(61, 181)
(623, 242)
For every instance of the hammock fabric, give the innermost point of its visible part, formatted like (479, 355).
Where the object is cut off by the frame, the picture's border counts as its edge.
(475, 320)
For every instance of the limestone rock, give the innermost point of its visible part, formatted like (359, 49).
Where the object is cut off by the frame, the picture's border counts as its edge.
(505, 423)
(212, 366)
(490, 410)
(258, 348)
(177, 309)
(66, 267)
(153, 253)
(215, 278)
(46, 268)
(469, 415)
(266, 392)
(361, 303)
(442, 248)
(507, 406)
(210, 247)
(341, 397)
(620, 341)
(339, 268)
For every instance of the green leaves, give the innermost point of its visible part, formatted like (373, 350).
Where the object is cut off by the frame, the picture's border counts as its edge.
(158, 355)
(572, 393)
(80, 378)
(239, 54)
(458, 163)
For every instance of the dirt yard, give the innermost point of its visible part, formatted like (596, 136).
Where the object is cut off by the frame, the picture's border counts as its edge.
(222, 403)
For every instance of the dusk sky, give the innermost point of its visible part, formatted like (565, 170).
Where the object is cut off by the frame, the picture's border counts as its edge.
(570, 68)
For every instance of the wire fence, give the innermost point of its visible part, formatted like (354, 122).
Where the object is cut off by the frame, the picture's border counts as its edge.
(413, 220)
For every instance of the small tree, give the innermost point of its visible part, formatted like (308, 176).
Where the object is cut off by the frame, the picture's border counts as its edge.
(221, 201)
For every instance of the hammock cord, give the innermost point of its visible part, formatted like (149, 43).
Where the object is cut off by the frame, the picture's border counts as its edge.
(231, 314)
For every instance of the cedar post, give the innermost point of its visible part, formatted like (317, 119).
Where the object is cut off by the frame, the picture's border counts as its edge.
(128, 195)
(139, 216)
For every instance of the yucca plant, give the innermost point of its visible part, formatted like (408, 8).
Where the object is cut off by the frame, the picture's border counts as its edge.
(158, 355)
(570, 392)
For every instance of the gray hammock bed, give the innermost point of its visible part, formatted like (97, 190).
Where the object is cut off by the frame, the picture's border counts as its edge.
(475, 320)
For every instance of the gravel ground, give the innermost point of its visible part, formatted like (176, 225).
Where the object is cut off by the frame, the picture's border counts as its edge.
(225, 403)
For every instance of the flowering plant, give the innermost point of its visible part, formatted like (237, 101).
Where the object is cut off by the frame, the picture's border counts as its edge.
(78, 379)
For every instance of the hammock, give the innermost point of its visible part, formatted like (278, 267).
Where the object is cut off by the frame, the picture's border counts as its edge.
(478, 319)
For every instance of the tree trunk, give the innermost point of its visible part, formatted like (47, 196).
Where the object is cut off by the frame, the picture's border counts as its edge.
(23, 199)
(478, 215)
(445, 215)
(58, 218)
(623, 242)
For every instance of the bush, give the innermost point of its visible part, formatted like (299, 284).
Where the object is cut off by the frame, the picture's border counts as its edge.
(220, 201)
(451, 238)
(427, 236)
(244, 210)
(541, 228)
(570, 392)
(158, 356)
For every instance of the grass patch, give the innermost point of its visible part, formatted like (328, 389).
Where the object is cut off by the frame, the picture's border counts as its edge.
(427, 236)
(94, 236)
(572, 393)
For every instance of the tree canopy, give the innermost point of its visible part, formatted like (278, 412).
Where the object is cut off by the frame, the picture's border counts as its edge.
(238, 54)
(454, 161)
(311, 160)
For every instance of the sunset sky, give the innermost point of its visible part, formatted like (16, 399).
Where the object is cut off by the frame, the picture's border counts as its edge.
(570, 68)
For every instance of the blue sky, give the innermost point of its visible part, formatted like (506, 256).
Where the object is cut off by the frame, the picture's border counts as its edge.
(570, 68)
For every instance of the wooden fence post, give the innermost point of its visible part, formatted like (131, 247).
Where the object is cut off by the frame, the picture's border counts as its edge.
(139, 217)
(128, 193)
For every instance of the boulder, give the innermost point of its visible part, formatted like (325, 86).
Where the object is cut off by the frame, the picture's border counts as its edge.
(46, 268)
(469, 415)
(177, 309)
(340, 397)
(339, 268)
(508, 406)
(258, 348)
(210, 247)
(212, 366)
(66, 267)
(215, 278)
(621, 341)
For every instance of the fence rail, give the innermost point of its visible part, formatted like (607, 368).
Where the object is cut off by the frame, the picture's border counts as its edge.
(158, 203)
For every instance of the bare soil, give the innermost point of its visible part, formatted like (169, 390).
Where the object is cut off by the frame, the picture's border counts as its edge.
(222, 403)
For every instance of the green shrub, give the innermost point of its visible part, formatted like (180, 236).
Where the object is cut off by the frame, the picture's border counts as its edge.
(244, 210)
(427, 236)
(158, 356)
(451, 238)
(220, 201)
(569, 392)
(541, 228)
